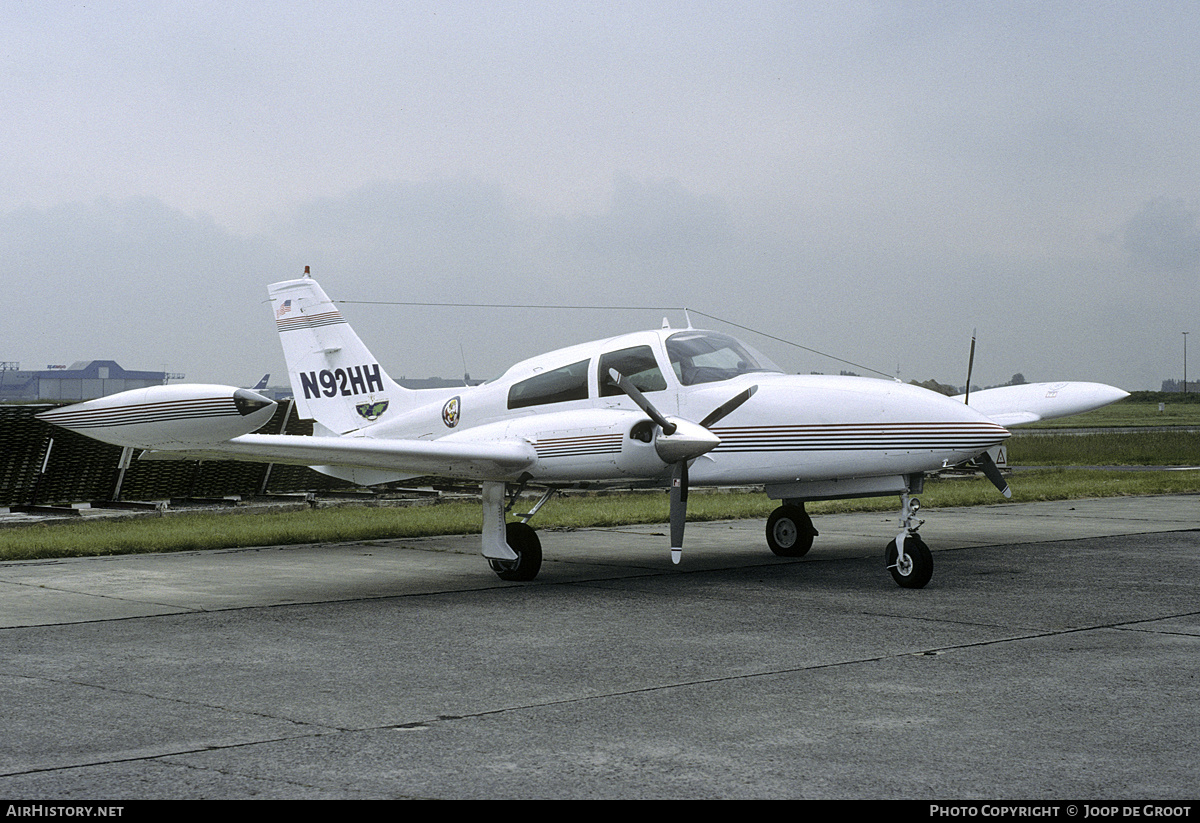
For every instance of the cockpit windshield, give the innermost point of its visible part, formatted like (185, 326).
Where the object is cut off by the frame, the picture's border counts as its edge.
(708, 357)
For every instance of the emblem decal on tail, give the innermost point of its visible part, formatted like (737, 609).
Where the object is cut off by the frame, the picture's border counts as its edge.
(371, 411)
(450, 412)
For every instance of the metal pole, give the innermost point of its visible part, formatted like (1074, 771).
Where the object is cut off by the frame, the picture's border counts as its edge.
(37, 482)
(1185, 334)
(122, 467)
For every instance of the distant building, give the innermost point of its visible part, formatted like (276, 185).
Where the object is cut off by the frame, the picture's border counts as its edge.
(79, 381)
(87, 380)
(1192, 386)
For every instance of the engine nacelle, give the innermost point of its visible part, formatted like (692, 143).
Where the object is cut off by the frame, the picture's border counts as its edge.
(167, 417)
(597, 444)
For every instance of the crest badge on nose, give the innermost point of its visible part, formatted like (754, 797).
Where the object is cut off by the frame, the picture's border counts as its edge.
(450, 412)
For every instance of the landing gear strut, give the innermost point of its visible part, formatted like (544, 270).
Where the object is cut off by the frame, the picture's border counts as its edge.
(908, 558)
(513, 550)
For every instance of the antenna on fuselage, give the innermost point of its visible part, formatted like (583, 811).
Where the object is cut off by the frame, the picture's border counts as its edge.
(466, 374)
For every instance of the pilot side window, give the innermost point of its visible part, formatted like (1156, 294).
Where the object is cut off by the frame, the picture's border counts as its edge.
(557, 386)
(637, 364)
(707, 357)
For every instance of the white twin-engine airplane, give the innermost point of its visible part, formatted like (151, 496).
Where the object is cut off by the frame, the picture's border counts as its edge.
(676, 407)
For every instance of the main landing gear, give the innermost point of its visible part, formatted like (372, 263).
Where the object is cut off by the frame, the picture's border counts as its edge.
(790, 530)
(513, 550)
(523, 540)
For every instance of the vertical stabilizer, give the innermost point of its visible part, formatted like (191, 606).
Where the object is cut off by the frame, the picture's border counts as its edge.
(335, 378)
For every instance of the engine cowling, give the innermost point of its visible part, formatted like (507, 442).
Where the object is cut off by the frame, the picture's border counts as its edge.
(167, 417)
(596, 444)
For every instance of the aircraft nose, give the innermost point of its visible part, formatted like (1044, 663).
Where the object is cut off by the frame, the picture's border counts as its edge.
(986, 427)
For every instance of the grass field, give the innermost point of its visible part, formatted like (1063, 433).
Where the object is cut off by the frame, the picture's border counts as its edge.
(1145, 448)
(183, 532)
(1130, 412)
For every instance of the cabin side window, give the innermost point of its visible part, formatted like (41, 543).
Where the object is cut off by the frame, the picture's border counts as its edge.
(555, 386)
(637, 364)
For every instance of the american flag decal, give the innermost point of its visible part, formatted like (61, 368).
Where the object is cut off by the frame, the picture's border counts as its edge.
(284, 309)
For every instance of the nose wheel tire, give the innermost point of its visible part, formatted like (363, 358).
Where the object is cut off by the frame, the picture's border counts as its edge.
(790, 531)
(917, 568)
(523, 540)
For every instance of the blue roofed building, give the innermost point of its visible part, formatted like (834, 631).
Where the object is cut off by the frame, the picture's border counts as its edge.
(80, 381)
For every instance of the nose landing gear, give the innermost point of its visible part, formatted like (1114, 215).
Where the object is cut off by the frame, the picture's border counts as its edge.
(907, 557)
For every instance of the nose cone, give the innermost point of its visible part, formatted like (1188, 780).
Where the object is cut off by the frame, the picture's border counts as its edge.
(970, 414)
(689, 440)
(248, 401)
(969, 420)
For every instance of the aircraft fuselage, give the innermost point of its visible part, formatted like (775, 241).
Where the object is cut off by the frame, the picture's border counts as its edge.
(793, 428)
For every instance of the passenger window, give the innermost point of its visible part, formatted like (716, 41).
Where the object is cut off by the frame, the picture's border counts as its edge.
(557, 386)
(637, 364)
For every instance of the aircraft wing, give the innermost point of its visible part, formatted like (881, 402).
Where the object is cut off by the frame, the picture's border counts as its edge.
(475, 460)
(1031, 402)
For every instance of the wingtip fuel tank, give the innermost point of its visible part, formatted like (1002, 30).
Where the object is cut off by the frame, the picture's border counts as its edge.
(167, 417)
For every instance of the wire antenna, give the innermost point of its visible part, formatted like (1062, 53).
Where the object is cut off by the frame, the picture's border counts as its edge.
(687, 314)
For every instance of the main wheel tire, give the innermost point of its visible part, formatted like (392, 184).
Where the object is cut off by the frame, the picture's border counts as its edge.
(790, 531)
(523, 540)
(918, 569)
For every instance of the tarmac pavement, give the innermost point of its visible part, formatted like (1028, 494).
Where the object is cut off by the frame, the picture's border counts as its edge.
(1054, 655)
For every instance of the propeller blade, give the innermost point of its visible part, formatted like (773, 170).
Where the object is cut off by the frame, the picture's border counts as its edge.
(970, 366)
(992, 472)
(679, 493)
(623, 383)
(680, 442)
(728, 406)
(985, 462)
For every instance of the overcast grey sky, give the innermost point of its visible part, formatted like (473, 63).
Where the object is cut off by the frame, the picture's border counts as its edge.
(871, 179)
